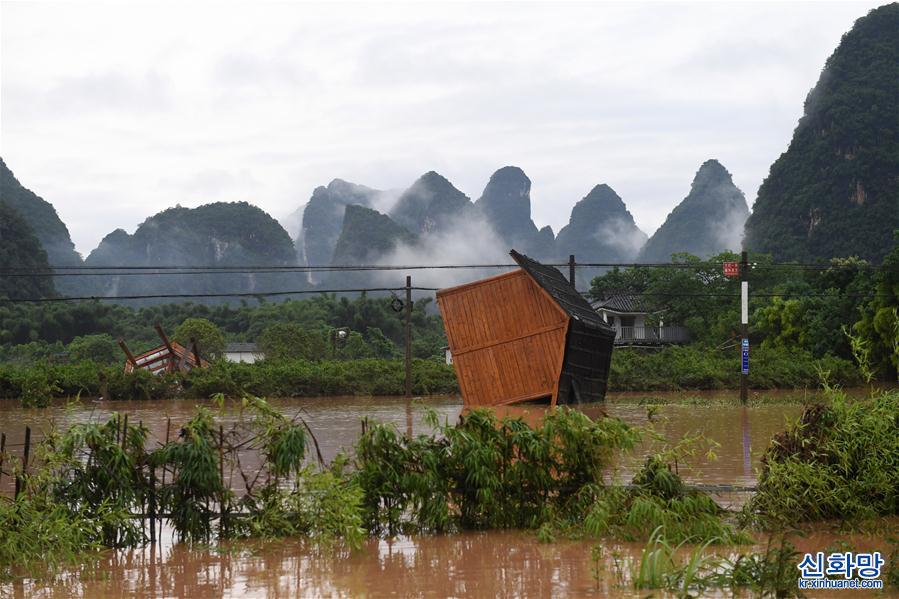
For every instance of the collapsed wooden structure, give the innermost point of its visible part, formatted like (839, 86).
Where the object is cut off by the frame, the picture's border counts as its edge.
(171, 356)
(526, 335)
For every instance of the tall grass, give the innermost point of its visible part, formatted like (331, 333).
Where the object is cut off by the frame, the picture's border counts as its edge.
(839, 460)
(486, 472)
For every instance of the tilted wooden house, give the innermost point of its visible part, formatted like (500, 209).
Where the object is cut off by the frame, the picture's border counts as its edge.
(526, 335)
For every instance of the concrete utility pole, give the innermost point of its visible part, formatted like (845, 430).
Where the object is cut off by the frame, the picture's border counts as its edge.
(408, 308)
(744, 326)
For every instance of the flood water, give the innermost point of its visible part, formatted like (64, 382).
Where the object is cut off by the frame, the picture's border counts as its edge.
(496, 563)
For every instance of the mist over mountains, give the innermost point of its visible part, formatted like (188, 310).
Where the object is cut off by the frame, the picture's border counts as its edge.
(709, 219)
(834, 192)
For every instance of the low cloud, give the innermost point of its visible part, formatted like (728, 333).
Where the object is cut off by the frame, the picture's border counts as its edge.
(626, 239)
(465, 241)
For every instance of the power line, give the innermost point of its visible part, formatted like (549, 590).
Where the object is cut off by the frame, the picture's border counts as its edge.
(737, 295)
(273, 268)
(260, 294)
(84, 270)
(257, 294)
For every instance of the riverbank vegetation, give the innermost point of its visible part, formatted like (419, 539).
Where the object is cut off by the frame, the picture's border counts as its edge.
(106, 484)
(840, 318)
(671, 369)
(61, 331)
(38, 385)
(839, 461)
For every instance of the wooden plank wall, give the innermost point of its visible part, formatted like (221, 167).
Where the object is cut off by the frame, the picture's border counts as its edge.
(507, 338)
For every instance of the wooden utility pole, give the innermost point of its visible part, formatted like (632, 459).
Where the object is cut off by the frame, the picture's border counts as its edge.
(744, 327)
(408, 308)
(571, 264)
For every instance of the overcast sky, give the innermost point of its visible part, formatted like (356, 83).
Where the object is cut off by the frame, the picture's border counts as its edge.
(114, 112)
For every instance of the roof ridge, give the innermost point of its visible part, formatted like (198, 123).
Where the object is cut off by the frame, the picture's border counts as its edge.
(560, 290)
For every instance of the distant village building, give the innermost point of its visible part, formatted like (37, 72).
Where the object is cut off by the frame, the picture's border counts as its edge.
(243, 352)
(629, 315)
(526, 335)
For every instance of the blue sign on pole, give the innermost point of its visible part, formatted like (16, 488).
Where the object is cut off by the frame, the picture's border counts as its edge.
(745, 351)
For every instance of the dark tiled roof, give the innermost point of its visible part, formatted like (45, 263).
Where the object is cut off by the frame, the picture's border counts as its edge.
(558, 287)
(242, 347)
(622, 302)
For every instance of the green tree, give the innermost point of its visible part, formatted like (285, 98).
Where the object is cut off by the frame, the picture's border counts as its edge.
(879, 325)
(286, 341)
(210, 340)
(101, 348)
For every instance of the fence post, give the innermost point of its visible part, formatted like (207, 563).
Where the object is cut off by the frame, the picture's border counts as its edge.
(168, 430)
(408, 308)
(2, 451)
(21, 478)
(222, 524)
(152, 504)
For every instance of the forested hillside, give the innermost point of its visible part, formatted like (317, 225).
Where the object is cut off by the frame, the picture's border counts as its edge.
(835, 191)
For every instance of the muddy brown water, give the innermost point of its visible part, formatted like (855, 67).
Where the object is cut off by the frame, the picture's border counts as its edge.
(490, 564)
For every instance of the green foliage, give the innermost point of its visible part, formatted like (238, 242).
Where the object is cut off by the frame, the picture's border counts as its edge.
(833, 192)
(485, 472)
(291, 378)
(658, 499)
(693, 367)
(833, 299)
(20, 249)
(287, 341)
(222, 234)
(101, 349)
(768, 574)
(878, 329)
(838, 461)
(795, 314)
(41, 218)
(37, 388)
(194, 463)
(40, 536)
(381, 328)
(209, 337)
(708, 220)
(96, 469)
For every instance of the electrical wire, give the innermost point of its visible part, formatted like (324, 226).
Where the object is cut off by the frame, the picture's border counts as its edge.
(85, 270)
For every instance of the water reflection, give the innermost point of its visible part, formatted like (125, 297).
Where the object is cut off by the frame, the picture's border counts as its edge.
(498, 563)
(494, 564)
(742, 432)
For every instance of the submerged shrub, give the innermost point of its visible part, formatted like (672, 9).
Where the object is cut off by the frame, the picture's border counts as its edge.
(661, 566)
(194, 463)
(485, 472)
(39, 536)
(840, 460)
(658, 499)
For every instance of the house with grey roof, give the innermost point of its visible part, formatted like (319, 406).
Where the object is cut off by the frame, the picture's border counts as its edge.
(635, 322)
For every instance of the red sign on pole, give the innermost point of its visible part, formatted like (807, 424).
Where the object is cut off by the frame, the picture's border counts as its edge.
(731, 269)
